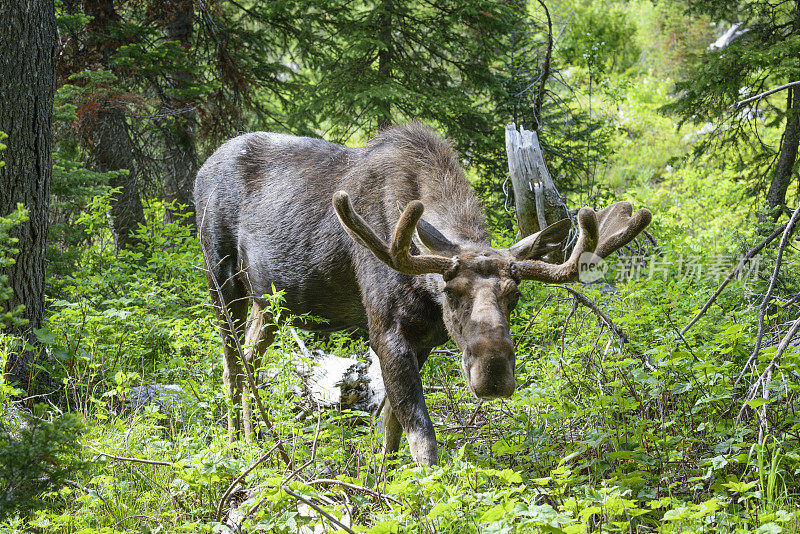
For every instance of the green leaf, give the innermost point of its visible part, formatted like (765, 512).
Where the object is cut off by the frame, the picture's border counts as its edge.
(385, 527)
(44, 335)
(718, 462)
(757, 403)
(739, 487)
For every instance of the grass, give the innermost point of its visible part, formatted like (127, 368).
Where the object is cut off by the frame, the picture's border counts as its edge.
(594, 440)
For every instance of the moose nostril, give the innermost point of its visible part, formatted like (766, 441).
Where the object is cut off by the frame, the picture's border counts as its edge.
(492, 377)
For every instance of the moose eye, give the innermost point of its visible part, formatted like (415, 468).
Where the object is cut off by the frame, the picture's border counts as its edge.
(450, 294)
(513, 300)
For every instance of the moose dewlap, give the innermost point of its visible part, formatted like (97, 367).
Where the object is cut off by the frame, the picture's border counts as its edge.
(339, 230)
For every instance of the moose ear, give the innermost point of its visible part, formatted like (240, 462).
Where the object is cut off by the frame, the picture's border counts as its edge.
(537, 245)
(431, 241)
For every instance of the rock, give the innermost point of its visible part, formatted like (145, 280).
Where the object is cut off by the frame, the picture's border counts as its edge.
(163, 395)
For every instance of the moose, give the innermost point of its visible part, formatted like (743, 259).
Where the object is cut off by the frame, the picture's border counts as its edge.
(340, 231)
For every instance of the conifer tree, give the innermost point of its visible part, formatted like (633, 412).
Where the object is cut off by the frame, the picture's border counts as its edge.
(766, 54)
(380, 62)
(27, 61)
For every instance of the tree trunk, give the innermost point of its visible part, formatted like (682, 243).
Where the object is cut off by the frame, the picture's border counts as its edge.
(27, 87)
(776, 197)
(105, 133)
(385, 61)
(181, 162)
(536, 198)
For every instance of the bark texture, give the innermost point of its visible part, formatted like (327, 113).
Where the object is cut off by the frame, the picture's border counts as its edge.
(181, 162)
(27, 86)
(776, 196)
(104, 131)
(536, 198)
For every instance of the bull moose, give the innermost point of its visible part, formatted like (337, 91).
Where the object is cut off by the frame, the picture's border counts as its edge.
(339, 230)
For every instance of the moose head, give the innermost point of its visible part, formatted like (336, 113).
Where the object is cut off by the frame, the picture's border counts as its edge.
(478, 287)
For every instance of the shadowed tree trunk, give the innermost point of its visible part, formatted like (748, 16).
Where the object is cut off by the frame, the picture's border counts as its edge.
(105, 132)
(27, 87)
(776, 196)
(385, 61)
(105, 135)
(181, 161)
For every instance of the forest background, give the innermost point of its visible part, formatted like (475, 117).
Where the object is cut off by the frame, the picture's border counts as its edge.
(636, 419)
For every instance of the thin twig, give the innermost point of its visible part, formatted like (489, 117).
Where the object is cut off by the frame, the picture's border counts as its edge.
(333, 482)
(475, 413)
(88, 492)
(616, 330)
(747, 257)
(762, 309)
(583, 299)
(530, 323)
(136, 460)
(238, 479)
(234, 331)
(318, 509)
(766, 377)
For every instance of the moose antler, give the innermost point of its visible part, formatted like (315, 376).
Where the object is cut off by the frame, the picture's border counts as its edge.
(398, 256)
(600, 234)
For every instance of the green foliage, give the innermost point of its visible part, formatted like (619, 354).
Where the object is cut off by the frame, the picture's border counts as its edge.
(672, 40)
(593, 439)
(764, 56)
(600, 436)
(601, 38)
(379, 62)
(11, 317)
(37, 455)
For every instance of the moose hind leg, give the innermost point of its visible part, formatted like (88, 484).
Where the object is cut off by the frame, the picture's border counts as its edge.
(392, 431)
(232, 372)
(229, 301)
(260, 335)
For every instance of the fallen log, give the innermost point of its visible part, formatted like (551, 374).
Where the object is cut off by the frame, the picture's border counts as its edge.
(333, 381)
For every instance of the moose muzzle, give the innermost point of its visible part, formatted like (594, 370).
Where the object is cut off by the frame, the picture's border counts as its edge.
(488, 365)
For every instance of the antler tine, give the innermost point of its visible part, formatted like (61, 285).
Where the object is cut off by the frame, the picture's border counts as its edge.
(567, 271)
(618, 227)
(398, 256)
(358, 228)
(601, 233)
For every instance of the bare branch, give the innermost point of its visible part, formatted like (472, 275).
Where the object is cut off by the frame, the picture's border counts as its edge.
(616, 330)
(333, 482)
(762, 309)
(238, 479)
(753, 251)
(318, 509)
(136, 460)
(765, 94)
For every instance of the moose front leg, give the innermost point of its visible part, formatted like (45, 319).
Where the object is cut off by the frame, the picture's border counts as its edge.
(405, 409)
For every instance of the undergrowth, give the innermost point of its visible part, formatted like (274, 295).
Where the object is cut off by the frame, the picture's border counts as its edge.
(603, 434)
